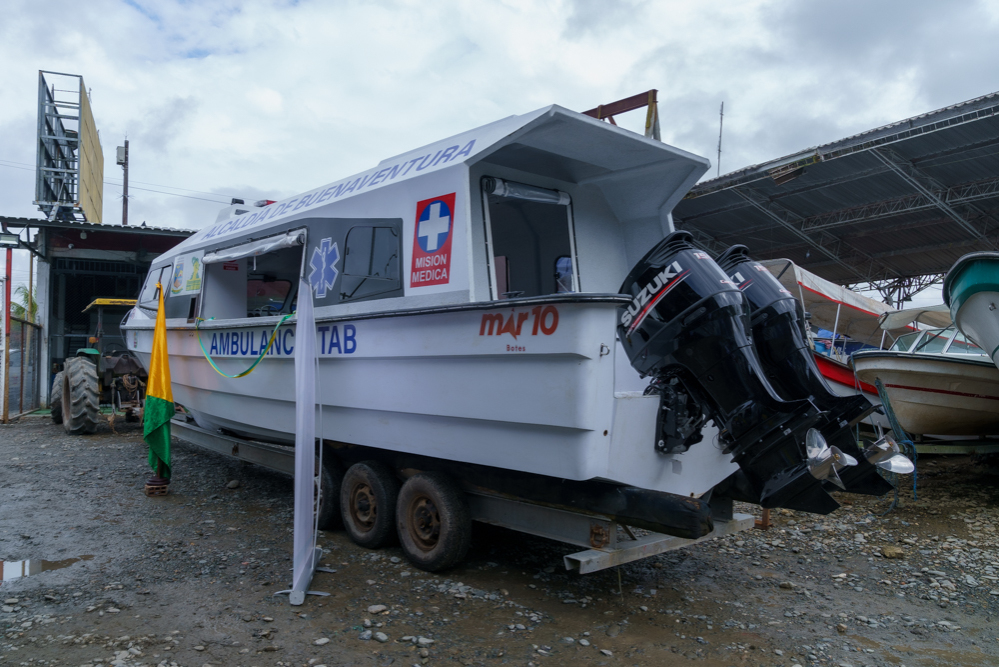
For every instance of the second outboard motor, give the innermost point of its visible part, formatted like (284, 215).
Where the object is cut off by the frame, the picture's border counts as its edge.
(778, 330)
(688, 327)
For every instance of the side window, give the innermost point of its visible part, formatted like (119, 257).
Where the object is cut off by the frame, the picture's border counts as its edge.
(934, 341)
(148, 298)
(905, 341)
(371, 263)
(964, 345)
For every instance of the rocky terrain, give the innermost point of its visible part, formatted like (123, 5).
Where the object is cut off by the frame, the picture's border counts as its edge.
(189, 579)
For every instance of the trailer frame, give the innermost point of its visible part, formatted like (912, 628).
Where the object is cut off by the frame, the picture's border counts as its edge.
(607, 542)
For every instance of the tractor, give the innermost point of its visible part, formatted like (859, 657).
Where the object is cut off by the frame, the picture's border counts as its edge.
(104, 374)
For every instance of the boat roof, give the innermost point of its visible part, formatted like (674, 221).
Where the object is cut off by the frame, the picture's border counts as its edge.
(640, 177)
(825, 301)
(935, 316)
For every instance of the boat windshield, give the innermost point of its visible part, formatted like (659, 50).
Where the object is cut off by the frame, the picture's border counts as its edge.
(934, 341)
(905, 341)
(963, 345)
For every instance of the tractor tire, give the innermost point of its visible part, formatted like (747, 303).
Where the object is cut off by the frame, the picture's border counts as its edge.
(55, 399)
(80, 396)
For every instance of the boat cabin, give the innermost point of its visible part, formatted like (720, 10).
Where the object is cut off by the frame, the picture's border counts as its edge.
(547, 203)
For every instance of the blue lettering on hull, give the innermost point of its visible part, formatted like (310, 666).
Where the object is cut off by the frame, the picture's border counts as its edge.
(333, 339)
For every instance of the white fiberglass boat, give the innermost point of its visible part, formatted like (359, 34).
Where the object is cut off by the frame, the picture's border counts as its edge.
(486, 307)
(938, 380)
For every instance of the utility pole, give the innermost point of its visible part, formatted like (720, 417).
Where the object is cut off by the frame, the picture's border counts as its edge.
(721, 121)
(123, 161)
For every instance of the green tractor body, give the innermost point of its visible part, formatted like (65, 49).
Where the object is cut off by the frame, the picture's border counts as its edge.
(105, 375)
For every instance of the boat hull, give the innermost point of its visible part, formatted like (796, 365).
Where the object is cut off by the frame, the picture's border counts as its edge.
(934, 394)
(843, 382)
(539, 387)
(971, 289)
(979, 320)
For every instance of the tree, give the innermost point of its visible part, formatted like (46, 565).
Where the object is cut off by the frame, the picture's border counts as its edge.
(24, 306)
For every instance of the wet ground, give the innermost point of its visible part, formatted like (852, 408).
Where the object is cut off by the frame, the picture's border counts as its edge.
(116, 578)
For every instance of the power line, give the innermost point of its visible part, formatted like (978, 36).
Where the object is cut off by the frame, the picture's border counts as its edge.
(29, 167)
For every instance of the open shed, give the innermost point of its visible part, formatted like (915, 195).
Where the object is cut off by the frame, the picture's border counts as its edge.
(77, 262)
(886, 206)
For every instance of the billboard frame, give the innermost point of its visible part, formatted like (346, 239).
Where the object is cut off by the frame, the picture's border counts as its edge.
(69, 167)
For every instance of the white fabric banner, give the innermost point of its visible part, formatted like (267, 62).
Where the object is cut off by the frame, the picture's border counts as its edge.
(304, 556)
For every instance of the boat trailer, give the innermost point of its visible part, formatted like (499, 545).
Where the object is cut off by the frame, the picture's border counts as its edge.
(605, 545)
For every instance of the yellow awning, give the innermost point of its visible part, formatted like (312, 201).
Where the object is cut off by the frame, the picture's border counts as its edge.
(110, 302)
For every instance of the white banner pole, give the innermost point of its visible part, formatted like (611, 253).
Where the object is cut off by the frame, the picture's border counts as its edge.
(306, 554)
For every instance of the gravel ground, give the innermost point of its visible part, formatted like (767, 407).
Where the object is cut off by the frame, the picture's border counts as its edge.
(188, 579)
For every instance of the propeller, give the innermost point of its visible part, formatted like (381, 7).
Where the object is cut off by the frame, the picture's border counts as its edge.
(885, 454)
(825, 462)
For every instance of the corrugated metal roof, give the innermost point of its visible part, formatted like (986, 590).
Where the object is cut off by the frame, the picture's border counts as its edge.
(21, 223)
(905, 199)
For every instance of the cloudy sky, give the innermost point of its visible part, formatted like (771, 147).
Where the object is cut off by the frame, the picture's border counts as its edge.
(270, 98)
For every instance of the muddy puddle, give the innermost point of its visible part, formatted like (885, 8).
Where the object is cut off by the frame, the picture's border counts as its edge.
(15, 569)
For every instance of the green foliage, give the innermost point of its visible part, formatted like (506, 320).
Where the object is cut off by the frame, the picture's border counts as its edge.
(24, 306)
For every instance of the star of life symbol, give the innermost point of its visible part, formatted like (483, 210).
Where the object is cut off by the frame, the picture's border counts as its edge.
(323, 263)
(435, 221)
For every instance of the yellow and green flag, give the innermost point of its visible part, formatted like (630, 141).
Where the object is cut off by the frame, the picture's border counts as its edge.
(159, 408)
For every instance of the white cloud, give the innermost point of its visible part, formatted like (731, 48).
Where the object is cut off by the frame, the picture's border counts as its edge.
(269, 98)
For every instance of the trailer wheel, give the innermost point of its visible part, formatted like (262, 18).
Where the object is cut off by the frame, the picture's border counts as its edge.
(433, 521)
(328, 494)
(80, 402)
(55, 399)
(367, 503)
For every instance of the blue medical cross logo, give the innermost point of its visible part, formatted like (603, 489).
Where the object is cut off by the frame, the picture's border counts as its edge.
(433, 226)
(323, 263)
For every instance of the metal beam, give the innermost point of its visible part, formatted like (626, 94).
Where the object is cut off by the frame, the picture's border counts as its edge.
(950, 197)
(829, 245)
(926, 186)
(706, 242)
(621, 106)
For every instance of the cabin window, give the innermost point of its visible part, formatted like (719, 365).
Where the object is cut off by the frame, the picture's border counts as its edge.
(905, 341)
(371, 263)
(270, 281)
(148, 298)
(531, 245)
(964, 345)
(934, 341)
(255, 279)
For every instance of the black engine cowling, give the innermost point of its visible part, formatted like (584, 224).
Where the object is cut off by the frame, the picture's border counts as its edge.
(689, 327)
(778, 325)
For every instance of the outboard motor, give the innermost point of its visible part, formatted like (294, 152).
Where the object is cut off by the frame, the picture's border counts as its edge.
(778, 330)
(688, 326)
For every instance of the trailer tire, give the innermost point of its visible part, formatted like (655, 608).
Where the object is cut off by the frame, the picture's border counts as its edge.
(368, 499)
(328, 505)
(433, 521)
(55, 399)
(80, 398)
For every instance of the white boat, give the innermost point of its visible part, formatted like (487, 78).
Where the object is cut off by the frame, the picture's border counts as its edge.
(938, 381)
(971, 291)
(471, 318)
